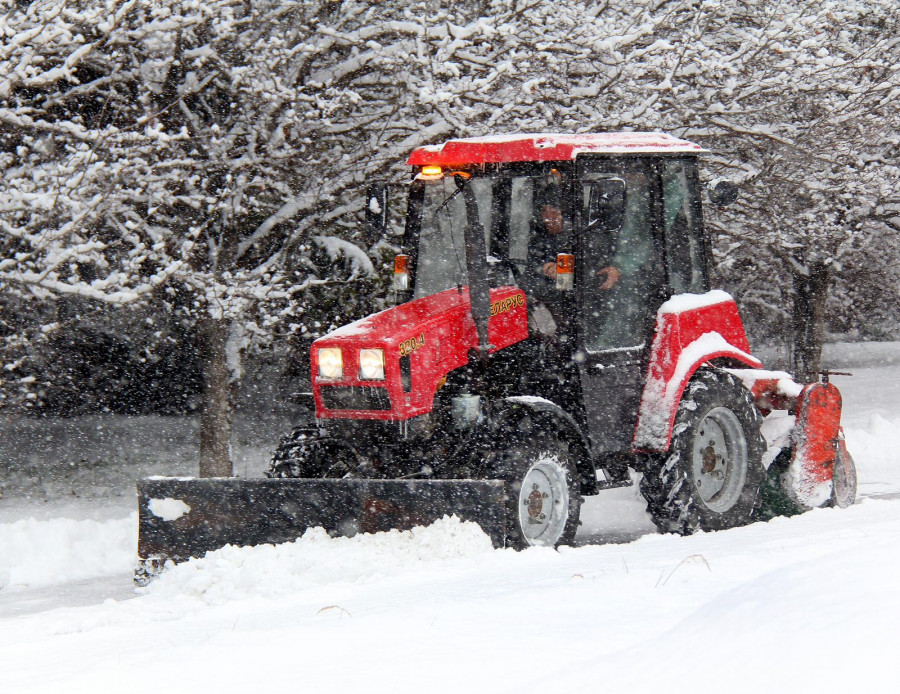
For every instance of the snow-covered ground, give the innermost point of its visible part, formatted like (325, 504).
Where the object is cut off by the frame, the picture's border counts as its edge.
(806, 603)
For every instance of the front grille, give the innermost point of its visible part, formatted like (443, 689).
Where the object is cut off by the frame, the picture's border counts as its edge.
(355, 398)
(406, 373)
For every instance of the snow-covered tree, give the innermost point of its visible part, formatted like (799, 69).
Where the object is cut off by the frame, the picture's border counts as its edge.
(156, 150)
(796, 100)
(206, 150)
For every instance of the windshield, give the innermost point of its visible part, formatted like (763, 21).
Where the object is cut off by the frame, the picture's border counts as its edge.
(506, 211)
(442, 245)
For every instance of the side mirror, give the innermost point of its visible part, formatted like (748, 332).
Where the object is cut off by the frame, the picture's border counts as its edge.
(376, 210)
(606, 204)
(722, 193)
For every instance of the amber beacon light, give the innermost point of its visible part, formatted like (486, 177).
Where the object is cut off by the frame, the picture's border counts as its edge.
(565, 272)
(401, 273)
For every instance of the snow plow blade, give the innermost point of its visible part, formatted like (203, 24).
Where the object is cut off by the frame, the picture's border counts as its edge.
(183, 518)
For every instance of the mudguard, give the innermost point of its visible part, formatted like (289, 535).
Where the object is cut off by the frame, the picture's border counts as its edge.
(509, 408)
(691, 330)
(182, 518)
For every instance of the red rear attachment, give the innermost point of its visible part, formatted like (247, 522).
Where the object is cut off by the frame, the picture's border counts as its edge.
(816, 438)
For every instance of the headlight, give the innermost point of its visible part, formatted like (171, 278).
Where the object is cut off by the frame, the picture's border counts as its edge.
(331, 363)
(371, 364)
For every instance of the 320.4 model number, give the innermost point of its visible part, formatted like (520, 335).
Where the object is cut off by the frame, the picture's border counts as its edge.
(412, 344)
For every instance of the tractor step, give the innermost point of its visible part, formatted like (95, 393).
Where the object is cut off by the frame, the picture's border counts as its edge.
(613, 484)
(181, 518)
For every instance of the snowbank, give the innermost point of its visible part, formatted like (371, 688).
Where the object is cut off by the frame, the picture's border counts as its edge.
(807, 603)
(875, 450)
(234, 573)
(47, 552)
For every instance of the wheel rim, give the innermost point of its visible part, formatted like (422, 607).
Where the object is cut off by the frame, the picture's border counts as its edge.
(544, 503)
(844, 480)
(719, 461)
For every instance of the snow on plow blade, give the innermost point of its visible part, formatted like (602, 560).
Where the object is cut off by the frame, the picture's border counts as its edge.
(183, 518)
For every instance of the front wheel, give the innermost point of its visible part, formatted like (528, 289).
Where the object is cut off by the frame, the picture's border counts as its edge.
(711, 476)
(543, 493)
(305, 454)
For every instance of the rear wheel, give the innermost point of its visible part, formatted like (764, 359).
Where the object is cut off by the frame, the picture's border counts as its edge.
(543, 493)
(710, 478)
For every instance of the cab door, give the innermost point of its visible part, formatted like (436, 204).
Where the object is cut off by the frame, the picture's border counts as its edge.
(621, 283)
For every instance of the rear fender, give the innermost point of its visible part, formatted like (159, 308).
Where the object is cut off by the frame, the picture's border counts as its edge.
(691, 330)
(509, 411)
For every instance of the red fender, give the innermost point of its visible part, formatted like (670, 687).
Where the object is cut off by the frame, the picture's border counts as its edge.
(691, 330)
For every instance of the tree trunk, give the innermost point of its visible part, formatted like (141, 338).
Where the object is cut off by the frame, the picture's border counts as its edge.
(810, 292)
(217, 407)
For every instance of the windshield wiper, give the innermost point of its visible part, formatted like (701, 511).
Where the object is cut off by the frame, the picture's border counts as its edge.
(445, 203)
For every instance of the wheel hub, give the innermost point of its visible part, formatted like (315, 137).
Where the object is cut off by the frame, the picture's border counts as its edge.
(535, 502)
(544, 503)
(719, 459)
(709, 459)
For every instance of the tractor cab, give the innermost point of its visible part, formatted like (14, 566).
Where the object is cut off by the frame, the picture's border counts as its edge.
(624, 209)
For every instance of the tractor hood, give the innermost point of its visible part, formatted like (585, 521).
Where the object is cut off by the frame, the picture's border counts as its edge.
(420, 343)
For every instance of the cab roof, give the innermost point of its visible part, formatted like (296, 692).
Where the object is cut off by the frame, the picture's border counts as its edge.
(499, 149)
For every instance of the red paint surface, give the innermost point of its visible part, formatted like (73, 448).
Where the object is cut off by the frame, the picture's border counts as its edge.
(544, 147)
(446, 323)
(817, 430)
(767, 397)
(674, 333)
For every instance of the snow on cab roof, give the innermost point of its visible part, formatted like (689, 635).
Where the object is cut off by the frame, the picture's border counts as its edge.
(545, 147)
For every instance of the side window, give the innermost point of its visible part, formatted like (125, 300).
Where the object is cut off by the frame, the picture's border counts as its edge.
(520, 215)
(684, 247)
(620, 265)
(539, 229)
(484, 197)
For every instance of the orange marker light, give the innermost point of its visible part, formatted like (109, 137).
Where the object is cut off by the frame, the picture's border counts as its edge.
(401, 273)
(565, 272)
(431, 172)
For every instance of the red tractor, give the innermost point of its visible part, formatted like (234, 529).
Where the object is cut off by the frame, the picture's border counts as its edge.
(554, 331)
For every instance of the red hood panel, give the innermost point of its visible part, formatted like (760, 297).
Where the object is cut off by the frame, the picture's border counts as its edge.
(435, 332)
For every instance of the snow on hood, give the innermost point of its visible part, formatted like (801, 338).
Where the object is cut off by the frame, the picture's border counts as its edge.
(681, 303)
